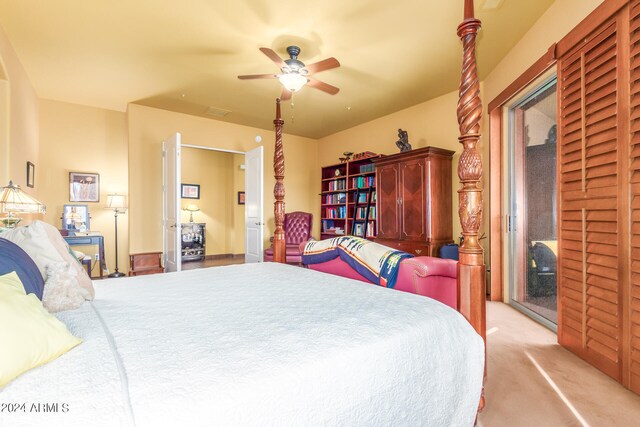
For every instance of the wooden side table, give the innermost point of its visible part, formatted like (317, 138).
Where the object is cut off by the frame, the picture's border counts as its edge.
(145, 263)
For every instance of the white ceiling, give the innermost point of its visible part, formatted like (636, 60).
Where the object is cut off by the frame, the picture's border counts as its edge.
(186, 56)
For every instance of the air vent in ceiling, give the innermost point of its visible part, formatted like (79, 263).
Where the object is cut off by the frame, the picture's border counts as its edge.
(218, 112)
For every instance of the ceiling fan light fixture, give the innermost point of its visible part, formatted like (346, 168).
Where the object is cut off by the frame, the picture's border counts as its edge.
(293, 82)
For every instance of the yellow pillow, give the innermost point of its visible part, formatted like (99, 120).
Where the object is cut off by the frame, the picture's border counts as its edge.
(29, 335)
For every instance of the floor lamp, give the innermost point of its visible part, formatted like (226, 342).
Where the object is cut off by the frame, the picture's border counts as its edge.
(116, 202)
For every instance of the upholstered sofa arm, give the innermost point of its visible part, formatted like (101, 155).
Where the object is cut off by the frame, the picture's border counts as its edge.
(434, 266)
(427, 276)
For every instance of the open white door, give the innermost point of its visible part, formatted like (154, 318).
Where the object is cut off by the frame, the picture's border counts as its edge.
(253, 208)
(171, 203)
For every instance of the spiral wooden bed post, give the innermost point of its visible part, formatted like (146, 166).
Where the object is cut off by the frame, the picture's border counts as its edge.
(279, 245)
(471, 268)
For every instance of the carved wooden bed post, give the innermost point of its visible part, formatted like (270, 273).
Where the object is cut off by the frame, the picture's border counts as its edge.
(471, 268)
(279, 244)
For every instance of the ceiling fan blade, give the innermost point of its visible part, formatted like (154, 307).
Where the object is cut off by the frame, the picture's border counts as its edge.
(323, 65)
(273, 56)
(286, 95)
(325, 87)
(258, 76)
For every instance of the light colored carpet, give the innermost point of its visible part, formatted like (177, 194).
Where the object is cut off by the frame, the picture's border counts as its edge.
(532, 381)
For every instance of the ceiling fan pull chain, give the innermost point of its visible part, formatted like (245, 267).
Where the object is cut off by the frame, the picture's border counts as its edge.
(292, 109)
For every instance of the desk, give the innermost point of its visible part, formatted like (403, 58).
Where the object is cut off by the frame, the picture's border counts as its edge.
(90, 240)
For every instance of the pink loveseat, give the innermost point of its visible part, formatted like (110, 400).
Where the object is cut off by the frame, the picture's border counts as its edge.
(428, 276)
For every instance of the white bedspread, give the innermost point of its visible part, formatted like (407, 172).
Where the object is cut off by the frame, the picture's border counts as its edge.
(261, 344)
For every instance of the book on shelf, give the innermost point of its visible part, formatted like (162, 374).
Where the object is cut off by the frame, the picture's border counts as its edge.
(367, 168)
(358, 229)
(333, 199)
(336, 212)
(363, 211)
(363, 182)
(327, 224)
(362, 198)
(338, 184)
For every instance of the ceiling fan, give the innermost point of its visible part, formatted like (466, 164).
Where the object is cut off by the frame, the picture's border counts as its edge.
(295, 74)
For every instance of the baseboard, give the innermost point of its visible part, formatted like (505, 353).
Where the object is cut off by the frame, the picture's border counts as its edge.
(222, 256)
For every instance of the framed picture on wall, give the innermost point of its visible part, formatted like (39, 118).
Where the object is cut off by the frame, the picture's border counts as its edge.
(75, 217)
(241, 197)
(31, 174)
(84, 187)
(190, 191)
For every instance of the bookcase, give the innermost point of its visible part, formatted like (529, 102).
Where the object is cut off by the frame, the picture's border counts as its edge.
(348, 198)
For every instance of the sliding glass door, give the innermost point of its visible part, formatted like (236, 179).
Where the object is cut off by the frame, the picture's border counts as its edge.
(532, 218)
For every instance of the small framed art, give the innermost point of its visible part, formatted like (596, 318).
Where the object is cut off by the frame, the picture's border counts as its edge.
(84, 187)
(190, 191)
(241, 197)
(31, 174)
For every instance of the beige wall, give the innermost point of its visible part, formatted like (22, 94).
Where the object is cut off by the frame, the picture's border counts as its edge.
(19, 119)
(76, 138)
(149, 126)
(220, 178)
(432, 123)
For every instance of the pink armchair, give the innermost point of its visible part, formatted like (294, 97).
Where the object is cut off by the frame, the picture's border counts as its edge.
(297, 229)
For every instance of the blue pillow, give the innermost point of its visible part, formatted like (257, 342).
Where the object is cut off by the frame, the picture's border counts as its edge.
(13, 258)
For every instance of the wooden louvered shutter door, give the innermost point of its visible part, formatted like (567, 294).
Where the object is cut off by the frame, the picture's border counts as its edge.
(590, 321)
(634, 166)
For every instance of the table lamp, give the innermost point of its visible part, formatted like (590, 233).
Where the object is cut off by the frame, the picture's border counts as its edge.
(117, 203)
(191, 208)
(13, 200)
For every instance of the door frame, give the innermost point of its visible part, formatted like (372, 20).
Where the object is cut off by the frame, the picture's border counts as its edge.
(515, 197)
(244, 153)
(498, 176)
(175, 228)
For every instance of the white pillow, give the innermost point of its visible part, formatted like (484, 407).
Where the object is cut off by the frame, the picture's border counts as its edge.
(34, 241)
(61, 290)
(62, 247)
(45, 245)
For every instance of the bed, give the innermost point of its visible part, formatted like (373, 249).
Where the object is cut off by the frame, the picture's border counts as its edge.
(273, 344)
(265, 344)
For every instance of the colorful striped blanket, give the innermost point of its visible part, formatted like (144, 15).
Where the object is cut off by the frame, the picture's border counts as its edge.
(377, 263)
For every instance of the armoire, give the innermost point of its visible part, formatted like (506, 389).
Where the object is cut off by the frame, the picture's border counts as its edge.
(414, 200)
(598, 67)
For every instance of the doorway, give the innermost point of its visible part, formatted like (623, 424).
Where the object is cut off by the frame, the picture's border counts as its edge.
(212, 215)
(204, 207)
(532, 203)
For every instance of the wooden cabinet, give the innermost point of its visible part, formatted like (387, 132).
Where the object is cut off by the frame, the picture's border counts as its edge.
(145, 263)
(348, 196)
(414, 203)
